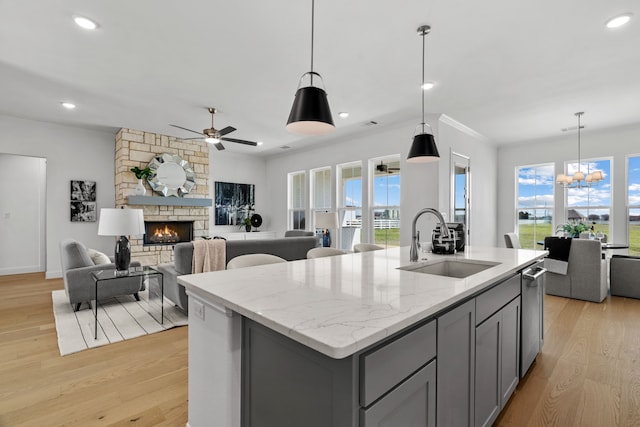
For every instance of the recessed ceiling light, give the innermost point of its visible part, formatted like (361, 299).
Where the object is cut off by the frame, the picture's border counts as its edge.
(85, 23)
(428, 85)
(260, 143)
(619, 20)
(68, 105)
(343, 114)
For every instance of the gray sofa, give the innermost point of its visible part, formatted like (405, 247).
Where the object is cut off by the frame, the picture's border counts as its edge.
(289, 248)
(79, 285)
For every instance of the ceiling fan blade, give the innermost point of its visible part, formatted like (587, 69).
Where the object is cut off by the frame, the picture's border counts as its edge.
(180, 127)
(219, 146)
(240, 141)
(226, 130)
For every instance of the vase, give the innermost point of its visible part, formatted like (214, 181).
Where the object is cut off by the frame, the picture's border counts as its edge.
(247, 227)
(140, 190)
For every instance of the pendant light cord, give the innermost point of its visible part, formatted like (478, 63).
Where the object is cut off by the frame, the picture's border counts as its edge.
(422, 87)
(579, 114)
(313, 8)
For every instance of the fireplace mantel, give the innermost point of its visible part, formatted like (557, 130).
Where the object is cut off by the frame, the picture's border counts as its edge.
(168, 201)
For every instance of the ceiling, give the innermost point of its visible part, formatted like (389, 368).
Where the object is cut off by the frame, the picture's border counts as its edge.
(511, 71)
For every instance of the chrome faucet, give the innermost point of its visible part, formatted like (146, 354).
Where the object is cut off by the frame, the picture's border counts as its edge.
(444, 231)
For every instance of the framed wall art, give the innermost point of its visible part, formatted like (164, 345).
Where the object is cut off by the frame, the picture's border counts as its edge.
(234, 202)
(83, 201)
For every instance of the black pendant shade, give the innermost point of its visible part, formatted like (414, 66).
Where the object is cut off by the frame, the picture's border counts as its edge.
(423, 149)
(310, 113)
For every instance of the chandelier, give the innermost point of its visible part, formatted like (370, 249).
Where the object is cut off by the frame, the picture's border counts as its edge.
(578, 179)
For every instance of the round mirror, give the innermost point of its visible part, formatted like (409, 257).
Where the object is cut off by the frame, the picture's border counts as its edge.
(171, 175)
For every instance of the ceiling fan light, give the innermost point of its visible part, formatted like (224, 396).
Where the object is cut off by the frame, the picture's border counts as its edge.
(212, 140)
(423, 149)
(310, 113)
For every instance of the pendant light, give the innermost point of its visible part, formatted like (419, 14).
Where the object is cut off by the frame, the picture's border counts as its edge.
(310, 113)
(576, 180)
(423, 149)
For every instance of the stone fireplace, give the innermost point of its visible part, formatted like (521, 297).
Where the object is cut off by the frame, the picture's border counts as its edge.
(137, 148)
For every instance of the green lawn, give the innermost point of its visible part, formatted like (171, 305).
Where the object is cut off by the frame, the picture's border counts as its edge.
(529, 234)
(387, 237)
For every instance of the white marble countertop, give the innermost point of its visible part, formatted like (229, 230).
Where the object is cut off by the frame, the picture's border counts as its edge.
(343, 304)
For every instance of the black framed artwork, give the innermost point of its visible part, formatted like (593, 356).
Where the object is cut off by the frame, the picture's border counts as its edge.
(234, 202)
(82, 206)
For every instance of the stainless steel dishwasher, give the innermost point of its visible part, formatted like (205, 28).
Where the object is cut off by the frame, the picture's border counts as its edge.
(532, 322)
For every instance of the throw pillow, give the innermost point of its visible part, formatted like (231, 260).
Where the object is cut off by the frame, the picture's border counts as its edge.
(98, 257)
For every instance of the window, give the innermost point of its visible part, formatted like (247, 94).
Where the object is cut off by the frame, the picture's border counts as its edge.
(633, 204)
(297, 201)
(385, 205)
(534, 210)
(321, 190)
(591, 205)
(349, 204)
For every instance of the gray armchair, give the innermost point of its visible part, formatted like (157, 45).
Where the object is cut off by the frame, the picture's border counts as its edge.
(586, 277)
(624, 274)
(79, 285)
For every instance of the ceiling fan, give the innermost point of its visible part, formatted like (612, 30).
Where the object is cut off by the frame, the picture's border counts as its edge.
(385, 168)
(215, 136)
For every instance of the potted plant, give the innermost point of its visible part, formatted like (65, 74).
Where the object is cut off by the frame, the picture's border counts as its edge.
(574, 230)
(247, 224)
(141, 174)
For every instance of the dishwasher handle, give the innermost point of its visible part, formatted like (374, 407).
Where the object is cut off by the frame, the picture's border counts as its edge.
(533, 274)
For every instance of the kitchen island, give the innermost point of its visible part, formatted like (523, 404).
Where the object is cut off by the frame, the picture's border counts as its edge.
(334, 339)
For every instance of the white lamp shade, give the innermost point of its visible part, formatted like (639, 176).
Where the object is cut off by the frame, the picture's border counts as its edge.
(121, 222)
(578, 176)
(561, 179)
(327, 220)
(598, 176)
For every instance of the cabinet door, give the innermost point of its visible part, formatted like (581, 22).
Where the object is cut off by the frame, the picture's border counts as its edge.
(510, 347)
(497, 362)
(411, 404)
(456, 366)
(487, 384)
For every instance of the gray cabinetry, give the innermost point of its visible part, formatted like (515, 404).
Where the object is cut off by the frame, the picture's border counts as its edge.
(456, 365)
(497, 355)
(412, 403)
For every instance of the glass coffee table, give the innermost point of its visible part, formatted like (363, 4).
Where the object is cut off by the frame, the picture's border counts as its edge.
(152, 279)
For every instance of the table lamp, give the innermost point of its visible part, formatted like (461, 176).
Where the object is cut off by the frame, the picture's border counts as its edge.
(327, 221)
(121, 222)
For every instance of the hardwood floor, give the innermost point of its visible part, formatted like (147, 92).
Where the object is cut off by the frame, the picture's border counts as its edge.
(587, 375)
(589, 371)
(137, 382)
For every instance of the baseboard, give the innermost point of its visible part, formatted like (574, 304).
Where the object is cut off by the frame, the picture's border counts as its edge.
(53, 274)
(21, 270)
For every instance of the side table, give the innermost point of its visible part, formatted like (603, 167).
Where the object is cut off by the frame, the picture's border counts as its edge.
(154, 282)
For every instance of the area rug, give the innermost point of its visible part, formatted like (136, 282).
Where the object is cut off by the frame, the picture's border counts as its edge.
(119, 318)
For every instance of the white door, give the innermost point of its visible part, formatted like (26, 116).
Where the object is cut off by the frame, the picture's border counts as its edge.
(22, 214)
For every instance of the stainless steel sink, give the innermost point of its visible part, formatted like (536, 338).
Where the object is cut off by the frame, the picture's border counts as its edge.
(459, 268)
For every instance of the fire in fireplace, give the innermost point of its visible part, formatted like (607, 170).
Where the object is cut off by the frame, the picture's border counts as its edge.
(167, 232)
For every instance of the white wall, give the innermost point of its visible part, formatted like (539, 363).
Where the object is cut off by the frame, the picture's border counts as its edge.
(422, 184)
(22, 212)
(242, 169)
(71, 153)
(616, 143)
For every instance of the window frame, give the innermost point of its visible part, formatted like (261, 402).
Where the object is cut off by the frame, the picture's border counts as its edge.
(291, 210)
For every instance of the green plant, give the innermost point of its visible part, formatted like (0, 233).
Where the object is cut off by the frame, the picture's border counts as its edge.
(576, 229)
(141, 173)
(246, 222)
